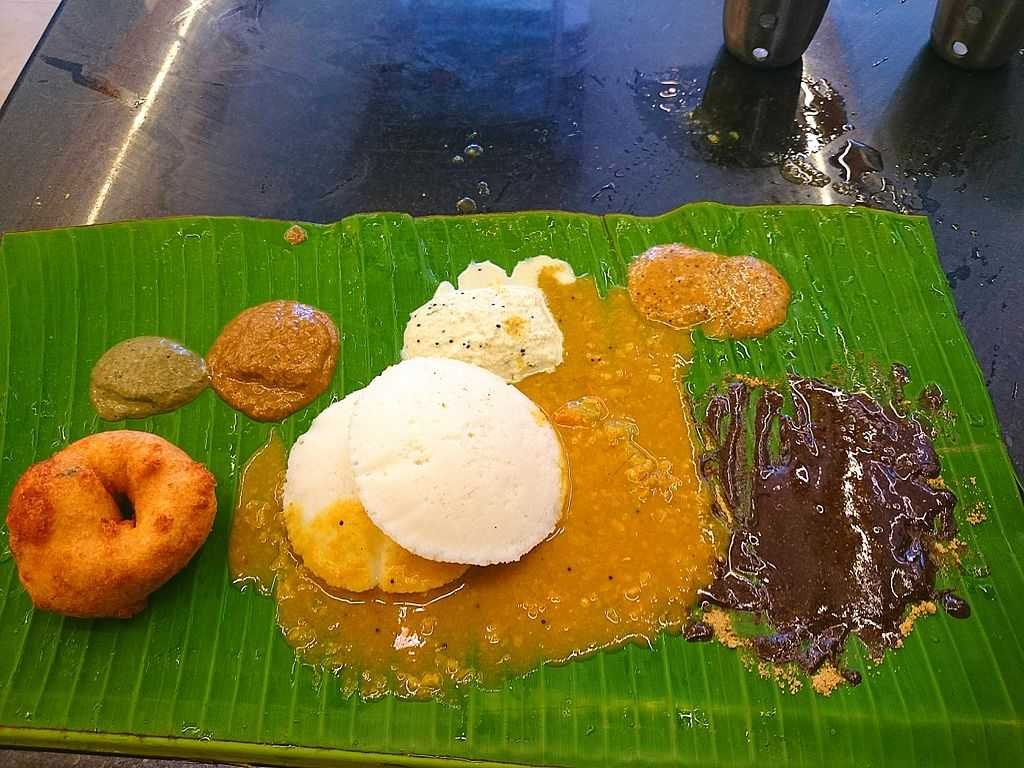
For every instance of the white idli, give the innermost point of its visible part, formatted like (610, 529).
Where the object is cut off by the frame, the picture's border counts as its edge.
(327, 525)
(454, 464)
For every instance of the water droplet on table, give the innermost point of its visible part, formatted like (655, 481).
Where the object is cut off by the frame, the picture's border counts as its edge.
(856, 159)
(609, 187)
(798, 171)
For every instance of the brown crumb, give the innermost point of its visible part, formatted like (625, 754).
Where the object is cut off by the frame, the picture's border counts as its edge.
(977, 515)
(752, 381)
(788, 677)
(949, 551)
(973, 479)
(721, 623)
(295, 234)
(916, 611)
(826, 680)
(937, 482)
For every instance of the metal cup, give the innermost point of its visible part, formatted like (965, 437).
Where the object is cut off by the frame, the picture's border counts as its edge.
(978, 34)
(771, 33)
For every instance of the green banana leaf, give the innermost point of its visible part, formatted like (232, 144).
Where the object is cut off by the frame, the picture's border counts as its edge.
(204, 672)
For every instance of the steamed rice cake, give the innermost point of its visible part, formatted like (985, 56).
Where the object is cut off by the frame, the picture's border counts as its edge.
(454, 464)
(327, 525)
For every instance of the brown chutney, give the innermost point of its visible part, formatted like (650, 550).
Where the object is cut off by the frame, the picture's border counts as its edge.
(273, 359)
(833, 527)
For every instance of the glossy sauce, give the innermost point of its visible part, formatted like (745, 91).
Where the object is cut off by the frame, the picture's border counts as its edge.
(835, 512)
(630, 553)
(257, 531)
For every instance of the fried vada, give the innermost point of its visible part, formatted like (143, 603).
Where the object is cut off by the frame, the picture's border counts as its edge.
(101, 524)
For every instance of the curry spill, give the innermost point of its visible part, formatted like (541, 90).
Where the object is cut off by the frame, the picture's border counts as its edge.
(635, 544)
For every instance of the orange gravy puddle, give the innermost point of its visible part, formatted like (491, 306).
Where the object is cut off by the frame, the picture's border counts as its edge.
(633, 547)
(258, 539)
(730, 297)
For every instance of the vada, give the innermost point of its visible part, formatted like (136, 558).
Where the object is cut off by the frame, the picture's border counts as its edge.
(101, 524)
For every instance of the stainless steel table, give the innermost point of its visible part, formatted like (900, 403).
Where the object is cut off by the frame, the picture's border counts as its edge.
(315, 109)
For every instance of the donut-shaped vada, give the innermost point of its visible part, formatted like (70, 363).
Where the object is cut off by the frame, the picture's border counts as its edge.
(98, 526)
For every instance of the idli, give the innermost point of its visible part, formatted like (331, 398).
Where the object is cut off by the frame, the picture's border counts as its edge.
(327, 525)
(454, 464)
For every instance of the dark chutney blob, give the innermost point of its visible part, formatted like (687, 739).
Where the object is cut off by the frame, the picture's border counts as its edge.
(833, 517)
(931, 398)
(698, 632)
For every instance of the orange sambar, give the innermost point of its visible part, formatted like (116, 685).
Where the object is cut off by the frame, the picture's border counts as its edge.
(635, 544)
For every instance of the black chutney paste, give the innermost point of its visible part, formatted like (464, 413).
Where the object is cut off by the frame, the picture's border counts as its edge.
(833, 517)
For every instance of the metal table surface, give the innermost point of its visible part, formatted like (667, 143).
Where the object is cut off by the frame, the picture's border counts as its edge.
(315, 109)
